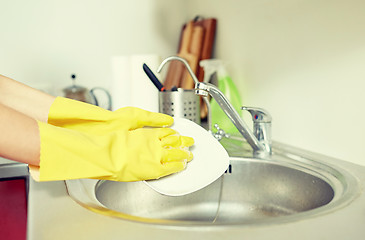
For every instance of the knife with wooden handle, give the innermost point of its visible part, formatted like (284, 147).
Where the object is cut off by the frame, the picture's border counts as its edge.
(193, 55)
(176, 70)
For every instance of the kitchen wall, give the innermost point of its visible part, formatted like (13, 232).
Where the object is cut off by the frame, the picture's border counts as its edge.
(42, 42)
(303, 60)
(300, 59)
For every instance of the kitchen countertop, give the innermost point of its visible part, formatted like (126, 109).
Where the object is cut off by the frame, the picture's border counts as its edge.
(52, 214)
(6, 161)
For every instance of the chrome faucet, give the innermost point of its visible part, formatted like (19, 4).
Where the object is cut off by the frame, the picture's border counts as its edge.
(260, 140)
(261, 126)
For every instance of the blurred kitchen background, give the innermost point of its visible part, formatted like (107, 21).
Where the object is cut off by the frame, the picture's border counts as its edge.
(302, 60)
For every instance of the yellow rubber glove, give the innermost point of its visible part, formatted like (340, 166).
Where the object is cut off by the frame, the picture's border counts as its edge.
(85, 117)
(121, 155)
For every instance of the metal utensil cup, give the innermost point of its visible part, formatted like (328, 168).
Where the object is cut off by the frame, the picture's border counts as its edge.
(181, 103)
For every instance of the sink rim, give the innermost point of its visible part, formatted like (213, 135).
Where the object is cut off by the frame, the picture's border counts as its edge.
(344, 185)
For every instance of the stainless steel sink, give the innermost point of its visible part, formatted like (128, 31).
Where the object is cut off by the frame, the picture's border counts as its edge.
(253, 191)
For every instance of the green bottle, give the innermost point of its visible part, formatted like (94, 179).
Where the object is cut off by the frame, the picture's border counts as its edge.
(228, 88)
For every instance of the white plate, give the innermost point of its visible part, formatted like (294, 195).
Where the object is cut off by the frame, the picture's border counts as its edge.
(210, 161)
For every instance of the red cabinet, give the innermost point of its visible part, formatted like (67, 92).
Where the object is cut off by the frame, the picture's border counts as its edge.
(13, 209)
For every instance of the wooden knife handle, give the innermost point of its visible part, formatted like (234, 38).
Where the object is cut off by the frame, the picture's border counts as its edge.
(193, 55)
(176, 72)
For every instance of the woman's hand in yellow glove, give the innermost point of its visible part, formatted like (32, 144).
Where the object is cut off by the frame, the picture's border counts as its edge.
(109, 145)
(122, 155)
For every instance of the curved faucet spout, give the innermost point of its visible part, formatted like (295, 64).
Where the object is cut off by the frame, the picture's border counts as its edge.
(231, 113)
(172, 58)
(205, 89)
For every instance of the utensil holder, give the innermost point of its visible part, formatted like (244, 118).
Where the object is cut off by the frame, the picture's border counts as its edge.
(181, 103)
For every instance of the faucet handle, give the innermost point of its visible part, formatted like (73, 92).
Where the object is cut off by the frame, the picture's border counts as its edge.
(259, 115)
(261, 126)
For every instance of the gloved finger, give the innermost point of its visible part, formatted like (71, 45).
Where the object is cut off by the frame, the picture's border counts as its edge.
(176, 155)
(152, 119)
(159, 120)
(162, 133)
(177, 141)
(172, 167)
(187, 141)
(144, 118)
(157, 133)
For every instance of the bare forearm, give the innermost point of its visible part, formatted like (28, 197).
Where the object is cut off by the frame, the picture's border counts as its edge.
(24, 99)
(19, 138)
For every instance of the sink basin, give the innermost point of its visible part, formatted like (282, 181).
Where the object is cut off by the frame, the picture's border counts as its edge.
(252, 191)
